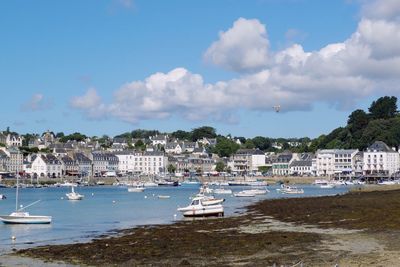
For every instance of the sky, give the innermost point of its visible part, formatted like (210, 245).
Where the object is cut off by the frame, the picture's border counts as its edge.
(113, 66)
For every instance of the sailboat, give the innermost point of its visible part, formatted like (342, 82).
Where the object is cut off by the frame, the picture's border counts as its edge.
(19, 216)
(74, 195)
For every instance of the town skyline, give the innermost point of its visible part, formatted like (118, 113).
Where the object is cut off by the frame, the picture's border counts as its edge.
(133, 67)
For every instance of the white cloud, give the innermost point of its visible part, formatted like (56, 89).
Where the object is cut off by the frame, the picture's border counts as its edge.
(381, 9)
(37, 103)
(244, 47)
(91, 103)
(338, 74)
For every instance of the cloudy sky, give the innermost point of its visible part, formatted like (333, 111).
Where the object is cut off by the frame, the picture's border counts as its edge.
(107, 67)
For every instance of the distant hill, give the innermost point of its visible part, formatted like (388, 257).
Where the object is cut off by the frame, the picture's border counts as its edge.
(381, 122)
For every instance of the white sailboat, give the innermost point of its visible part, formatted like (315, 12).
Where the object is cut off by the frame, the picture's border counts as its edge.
(19, 216)
(74, 195)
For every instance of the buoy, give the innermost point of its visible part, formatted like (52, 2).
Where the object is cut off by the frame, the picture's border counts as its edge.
(92, 194)
(62, 197)
(153, 195)
(113, 201)
(13, 237)
(174, 216)
(145, 196)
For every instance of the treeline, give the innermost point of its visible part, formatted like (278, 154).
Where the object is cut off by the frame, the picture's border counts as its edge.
(380, 123)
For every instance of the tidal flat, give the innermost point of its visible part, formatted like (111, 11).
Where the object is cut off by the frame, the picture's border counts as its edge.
(354, 229)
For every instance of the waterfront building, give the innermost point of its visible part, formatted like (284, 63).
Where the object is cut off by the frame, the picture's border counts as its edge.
(247, 161)
(380, 159)
(281, 164)
(104, 162)
(84, 164)
(153, 163)
(14, 164)
(4, 161)
(69, 166)
(46, 165)
(303, 166)
(335, 162)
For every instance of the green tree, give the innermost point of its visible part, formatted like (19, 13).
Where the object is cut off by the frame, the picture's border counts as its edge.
(384, 108)
(249, 144)
(140, 145)
(60, 135)
(220, 166)
(182, 135)
(171, 168)
(205, 131)
(358, 120)
(262, 143)
(225, 147)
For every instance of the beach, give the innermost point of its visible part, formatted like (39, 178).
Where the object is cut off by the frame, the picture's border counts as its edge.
(355, 229)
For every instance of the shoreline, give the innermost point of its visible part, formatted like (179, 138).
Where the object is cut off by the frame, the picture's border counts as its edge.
(303, 229)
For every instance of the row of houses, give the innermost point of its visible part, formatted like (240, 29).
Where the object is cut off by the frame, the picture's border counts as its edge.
(377, 160)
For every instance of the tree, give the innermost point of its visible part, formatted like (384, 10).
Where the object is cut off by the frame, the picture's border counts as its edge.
(261, 143)
(225, 147)
(75, 136)
(205, 131)
(358, 120)
(249, 144)
(182, 135)
(59, 135)
(220, 166)
(171, 168)
(140, 145)
(384, 108)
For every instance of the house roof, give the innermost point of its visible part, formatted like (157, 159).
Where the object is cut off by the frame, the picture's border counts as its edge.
(380, 146)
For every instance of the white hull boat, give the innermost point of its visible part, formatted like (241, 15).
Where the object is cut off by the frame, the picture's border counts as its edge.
(198, 209)
(136, 189)
(222, 191)
(74, 195)
(256, 191)
(244, 194)
(326, 186)
(24, 218)
(285, 189)
(163, 196)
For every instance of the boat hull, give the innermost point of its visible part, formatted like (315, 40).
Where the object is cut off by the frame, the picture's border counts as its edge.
(7, 219)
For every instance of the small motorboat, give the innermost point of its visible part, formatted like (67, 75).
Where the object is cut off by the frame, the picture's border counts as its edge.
(211, 200)
(244, 193)
(327, 185)
(198, 209)
(222, 191)
(286, 189)
(74, 195)
(163, 196)
(136, 189)
(256, 191)
(2, 196)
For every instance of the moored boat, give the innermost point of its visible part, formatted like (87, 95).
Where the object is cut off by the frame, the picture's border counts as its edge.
(286, 189)
(244, 194)
(198, 209)
(74, 195)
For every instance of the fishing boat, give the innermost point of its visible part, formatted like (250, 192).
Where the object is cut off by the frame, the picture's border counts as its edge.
(198, 209)
(286, 189)
(19, 216)
(74, 195)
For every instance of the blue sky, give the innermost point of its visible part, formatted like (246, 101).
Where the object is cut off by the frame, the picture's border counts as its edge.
(91, 65)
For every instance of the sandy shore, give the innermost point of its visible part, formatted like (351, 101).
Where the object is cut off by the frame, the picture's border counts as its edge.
(356, 229)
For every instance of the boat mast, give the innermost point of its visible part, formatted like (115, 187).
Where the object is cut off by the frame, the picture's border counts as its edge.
(16, 195)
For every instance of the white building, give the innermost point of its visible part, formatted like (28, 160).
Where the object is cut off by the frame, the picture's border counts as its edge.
(381, 159)
(247, 161)
(141, 162)
(13, 140)
(332, 162)
(159, 140)
(46, 166)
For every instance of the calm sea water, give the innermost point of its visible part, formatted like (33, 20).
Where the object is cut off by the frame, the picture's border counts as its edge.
(106, 208)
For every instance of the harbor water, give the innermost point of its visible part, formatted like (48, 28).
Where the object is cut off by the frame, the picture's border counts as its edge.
(105, 209)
